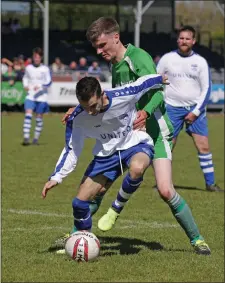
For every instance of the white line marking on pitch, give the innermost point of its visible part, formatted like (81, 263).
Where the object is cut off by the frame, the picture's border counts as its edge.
(34, 212)
(21, 229)
(127, 223)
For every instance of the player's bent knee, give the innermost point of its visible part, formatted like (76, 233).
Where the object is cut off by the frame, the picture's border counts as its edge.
(166, 192)
(137, 170)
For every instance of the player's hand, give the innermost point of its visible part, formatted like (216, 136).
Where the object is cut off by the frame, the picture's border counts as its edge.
(190, 118)
(139, 122)
(165, 80)
(67, 115)
(36, 88)
(48, 186)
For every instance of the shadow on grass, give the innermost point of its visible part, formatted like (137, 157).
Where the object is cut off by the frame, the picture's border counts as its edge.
(124, 246)
(180, 187)
(128, 246)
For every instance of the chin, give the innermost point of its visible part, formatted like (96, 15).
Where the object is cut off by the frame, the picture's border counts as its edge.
(186, 50)
(107, 58)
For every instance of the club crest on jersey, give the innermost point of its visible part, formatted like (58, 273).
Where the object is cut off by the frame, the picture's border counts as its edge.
(194, 67)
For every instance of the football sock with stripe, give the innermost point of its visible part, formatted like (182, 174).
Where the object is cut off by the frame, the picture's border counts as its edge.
(93, 206)
(207, 167)
(82, 214)
(183, 215)
(129, 186)
(38, 128)
(27, 126)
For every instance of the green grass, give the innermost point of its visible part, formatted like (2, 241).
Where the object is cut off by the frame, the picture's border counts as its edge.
(145, 246)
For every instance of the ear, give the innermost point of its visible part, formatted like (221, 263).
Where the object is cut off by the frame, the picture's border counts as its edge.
(116, 38)
(194, 41)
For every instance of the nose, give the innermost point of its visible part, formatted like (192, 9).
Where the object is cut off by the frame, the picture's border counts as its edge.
(99, 50)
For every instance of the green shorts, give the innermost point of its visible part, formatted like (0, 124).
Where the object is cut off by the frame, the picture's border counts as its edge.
(163, 148)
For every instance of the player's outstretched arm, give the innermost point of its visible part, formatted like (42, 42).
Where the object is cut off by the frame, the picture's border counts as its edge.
(48, 186)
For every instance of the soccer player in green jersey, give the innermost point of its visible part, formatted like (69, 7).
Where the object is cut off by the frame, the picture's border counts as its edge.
(128, 64)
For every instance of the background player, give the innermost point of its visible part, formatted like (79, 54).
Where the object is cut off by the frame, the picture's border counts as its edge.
(36, 80)
(187, 97)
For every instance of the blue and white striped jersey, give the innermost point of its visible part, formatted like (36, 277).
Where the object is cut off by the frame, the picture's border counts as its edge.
(112, 129)
(37, 79)
(189, 77)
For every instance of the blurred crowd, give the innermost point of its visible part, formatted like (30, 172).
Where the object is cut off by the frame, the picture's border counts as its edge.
(11, 26)
(13, 71)
(78, 69)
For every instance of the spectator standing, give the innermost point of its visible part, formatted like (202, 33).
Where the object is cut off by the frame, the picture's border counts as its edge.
(94, 69)
(4, 65)
(82, 68)
(156, 59)
(10, 75)
(28, 61)
(73, 66)
(58, 67)
(83, 64)
(15, 25)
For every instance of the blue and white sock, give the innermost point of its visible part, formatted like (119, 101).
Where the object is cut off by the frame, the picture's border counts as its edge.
(129, 186)
(207, 166)
(82, 214)
(27, 126)
(38, 128)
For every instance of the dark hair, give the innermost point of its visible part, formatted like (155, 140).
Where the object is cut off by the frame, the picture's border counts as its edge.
(88, 87)
(103, 25)
(38, 50)
(187, 28)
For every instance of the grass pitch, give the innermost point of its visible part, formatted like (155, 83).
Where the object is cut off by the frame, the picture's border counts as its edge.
(146, 244)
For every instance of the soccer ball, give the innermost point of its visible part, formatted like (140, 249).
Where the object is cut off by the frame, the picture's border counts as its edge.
(82, 246)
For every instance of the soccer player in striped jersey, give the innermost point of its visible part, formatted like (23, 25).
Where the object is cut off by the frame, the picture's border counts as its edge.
(128, 64)
(108, 117)
(187, 97)
(36, 80)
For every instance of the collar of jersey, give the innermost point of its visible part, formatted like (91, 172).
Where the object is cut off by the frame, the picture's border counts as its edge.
(109, 95)
(36, 66)
(192, 53)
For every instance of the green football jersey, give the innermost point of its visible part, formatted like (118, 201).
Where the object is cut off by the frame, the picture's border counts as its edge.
(137, 63)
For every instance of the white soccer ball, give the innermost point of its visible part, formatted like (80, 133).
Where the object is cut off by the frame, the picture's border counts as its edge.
(82, 246)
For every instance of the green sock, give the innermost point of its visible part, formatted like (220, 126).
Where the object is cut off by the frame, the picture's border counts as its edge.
(95, 203)
(94, 206)
(184, 217)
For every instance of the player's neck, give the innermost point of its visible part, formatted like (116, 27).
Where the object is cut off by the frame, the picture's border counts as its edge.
(120, 53)
(36, 65)
(185, 54)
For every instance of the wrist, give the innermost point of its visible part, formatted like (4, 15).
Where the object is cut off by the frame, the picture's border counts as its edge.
(147, 114)
(196, 112)
(55, 178)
